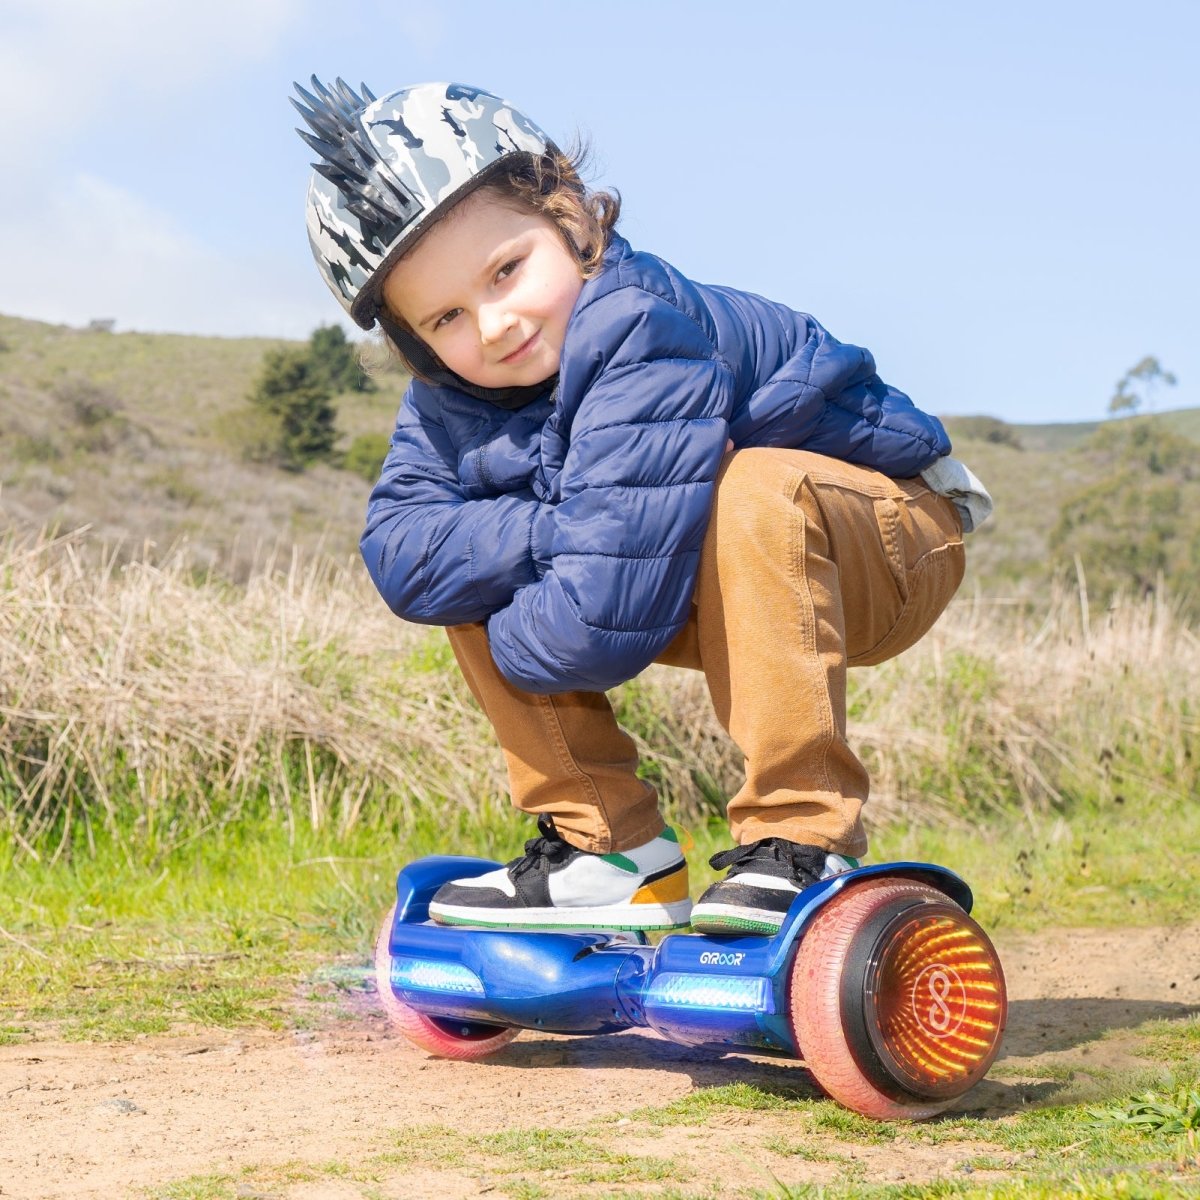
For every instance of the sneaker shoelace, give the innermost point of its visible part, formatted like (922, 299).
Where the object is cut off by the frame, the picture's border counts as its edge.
(773, 856)
(542, 852)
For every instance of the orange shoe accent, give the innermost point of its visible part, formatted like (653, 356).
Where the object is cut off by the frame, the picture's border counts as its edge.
(665, 890)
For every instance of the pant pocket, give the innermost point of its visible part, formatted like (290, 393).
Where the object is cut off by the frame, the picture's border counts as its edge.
(929, 586)
(890, 520)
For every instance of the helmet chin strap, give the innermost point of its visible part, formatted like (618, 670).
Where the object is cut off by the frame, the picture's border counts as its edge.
(431, 368)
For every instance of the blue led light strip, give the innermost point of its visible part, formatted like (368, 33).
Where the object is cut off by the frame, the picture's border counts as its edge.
(679, 989)
(427, 975)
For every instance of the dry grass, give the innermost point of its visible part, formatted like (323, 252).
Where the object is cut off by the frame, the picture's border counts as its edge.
(146, 698)
(1043, 708)
(142, 690)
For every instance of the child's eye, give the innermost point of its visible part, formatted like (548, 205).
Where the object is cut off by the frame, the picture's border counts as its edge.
(508, 268)
(446, 318)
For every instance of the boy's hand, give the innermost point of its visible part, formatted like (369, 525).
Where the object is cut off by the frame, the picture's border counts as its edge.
(728, 445)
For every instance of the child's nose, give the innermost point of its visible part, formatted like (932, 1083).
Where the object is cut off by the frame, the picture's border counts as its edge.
(494, 322)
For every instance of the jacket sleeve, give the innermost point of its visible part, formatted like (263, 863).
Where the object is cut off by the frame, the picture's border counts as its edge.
(436, 556)
(863, 419)
(648, 398)
(828, 398)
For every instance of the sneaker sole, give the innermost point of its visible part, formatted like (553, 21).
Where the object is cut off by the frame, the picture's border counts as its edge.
(722, 918)
(642, 919)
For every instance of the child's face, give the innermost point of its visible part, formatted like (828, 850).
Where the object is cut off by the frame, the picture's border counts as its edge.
(490, 291)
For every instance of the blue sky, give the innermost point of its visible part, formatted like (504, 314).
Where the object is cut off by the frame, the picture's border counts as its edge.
(998, 200)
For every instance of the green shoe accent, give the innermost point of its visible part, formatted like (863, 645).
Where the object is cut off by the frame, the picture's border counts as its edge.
(619, 860)
(627, 864)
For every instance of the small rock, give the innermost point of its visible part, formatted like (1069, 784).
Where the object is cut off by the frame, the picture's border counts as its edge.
(121, 1105)
(624, 1121)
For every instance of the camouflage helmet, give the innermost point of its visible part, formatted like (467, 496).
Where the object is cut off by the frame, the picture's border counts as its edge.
(389, 168)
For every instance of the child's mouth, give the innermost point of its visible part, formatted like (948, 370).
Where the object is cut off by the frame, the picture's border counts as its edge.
(522, 351)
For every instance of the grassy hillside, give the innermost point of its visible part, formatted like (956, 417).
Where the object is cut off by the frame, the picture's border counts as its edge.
(1058, 437)
(1049, 523)
(141, 437)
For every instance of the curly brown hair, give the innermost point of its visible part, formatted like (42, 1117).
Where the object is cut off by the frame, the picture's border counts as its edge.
(550, 185)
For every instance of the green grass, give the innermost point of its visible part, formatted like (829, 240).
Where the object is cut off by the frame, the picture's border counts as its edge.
(255, 923)
(250, 926)
(256, 926)
(1097, 866)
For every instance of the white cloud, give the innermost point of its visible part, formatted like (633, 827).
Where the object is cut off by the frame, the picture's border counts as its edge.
(74, 246)
(65, 63)
(96, 250)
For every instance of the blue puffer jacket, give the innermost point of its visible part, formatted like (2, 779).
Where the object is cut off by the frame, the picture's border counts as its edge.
(573, 526)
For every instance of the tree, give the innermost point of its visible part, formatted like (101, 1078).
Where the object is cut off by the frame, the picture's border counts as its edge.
(334, 360)
(1138, 384)
(293, 394)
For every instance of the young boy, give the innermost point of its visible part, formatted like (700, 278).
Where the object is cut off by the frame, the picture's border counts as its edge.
(601, 464)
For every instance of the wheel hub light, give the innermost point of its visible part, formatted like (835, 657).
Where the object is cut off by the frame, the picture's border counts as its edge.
(935, 1002)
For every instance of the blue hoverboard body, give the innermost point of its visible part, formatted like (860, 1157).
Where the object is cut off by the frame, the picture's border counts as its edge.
(902, 985)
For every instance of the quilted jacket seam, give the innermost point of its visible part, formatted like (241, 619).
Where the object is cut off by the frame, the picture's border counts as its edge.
(683, 550)
(647, 486)
(639, 632)
(672, 299)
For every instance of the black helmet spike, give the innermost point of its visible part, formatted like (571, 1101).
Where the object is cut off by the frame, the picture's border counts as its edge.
(386, 169)
(379, 201)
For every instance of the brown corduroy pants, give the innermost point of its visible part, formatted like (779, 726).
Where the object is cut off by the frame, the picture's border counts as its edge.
(809, 565)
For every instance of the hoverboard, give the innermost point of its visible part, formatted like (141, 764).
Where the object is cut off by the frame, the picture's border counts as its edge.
(893, 997)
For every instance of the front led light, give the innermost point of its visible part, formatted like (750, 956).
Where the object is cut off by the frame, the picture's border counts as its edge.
(679, 989)
(426, 975)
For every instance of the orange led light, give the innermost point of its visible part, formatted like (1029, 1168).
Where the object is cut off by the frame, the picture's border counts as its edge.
(936, 1001)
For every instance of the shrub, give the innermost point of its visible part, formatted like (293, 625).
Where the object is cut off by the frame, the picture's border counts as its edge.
(335, 361)
(365, 455)
(986, 429)
(89, 403)
(1138, 526)
(291, 392)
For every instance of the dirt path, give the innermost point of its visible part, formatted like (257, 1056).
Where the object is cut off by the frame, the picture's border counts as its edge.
(82, 1120)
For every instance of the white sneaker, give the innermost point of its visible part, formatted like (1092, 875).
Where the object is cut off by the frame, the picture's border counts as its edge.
(555, 886)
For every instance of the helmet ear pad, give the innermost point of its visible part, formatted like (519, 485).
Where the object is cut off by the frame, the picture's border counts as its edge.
(422, 361)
